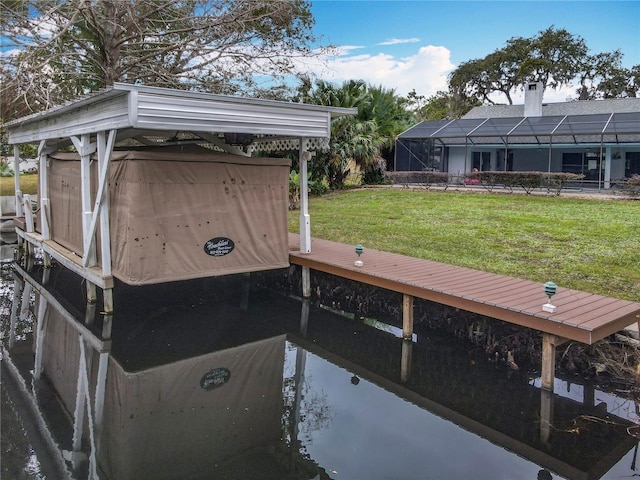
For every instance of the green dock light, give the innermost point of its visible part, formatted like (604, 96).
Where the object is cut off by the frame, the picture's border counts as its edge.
(359, 251)
(550, 289)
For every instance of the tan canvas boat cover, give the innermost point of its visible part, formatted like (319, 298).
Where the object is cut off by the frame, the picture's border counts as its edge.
(180, 212)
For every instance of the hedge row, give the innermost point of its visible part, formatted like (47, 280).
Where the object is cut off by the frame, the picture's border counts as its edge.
(425, 179)
(553, 182)
(528, 181)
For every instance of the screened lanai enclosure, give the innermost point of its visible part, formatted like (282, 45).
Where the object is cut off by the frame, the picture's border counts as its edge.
(604, 147)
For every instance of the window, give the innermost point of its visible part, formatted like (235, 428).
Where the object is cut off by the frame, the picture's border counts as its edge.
(572, 163)
(632, 164)
(587, 164)
(481, 160)
(500, 166)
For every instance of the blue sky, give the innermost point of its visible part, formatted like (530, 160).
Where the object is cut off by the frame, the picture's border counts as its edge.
(414, 44)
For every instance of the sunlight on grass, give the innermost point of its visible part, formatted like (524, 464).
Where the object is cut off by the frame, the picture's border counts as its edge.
(585, 244)
(28, 185)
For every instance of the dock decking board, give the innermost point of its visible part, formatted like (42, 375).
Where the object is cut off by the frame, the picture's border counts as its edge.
(580, 316)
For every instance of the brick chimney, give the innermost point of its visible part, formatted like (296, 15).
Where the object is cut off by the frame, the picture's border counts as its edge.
(533, 99)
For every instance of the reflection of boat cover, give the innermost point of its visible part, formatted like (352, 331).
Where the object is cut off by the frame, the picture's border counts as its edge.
(181, 212)
(178, 420)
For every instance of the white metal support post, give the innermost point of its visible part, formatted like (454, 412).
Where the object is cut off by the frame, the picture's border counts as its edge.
(29, 219)
(18, 193)
(45, 209)
(101, 209)
(16, 180)
(43, 191)
(305, 221)
(30, 225)
(101, 206)
(85, 149)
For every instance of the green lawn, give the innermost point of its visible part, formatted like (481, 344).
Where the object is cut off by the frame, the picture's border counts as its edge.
(28, 185)
(584, 244)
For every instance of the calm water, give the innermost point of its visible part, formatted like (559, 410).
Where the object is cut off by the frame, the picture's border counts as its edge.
(218, 379)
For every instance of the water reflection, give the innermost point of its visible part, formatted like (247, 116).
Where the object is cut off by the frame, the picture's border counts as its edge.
(211, 379)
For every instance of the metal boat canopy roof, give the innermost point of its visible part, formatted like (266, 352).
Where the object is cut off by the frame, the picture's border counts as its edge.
(135, 110)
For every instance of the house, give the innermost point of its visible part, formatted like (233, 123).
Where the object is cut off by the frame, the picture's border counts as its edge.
(599, 139)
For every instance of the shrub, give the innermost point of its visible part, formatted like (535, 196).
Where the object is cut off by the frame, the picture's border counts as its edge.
(557, 181)
(631, 186)
(315, 188)
(5, 170)
(294, 190)
(529, 181)
(375, 176)
(425, 179)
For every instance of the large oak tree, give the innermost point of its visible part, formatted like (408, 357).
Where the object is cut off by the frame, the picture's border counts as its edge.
(554, 57)
(60, 49)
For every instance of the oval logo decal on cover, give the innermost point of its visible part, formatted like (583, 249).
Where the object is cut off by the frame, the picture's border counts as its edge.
(219, 246)
(215, 378)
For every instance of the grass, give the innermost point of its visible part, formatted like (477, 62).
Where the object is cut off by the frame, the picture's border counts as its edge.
(28, 185)
(585, 244)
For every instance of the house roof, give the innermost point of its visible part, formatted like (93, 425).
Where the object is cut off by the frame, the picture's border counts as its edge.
(135, 109)
(584, 107)
(608, 121)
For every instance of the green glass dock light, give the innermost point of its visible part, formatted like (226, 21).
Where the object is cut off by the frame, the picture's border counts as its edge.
(359, 251)
(550, 289)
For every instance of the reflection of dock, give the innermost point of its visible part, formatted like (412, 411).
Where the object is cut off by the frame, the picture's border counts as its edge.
(548, 445)
(154, 405)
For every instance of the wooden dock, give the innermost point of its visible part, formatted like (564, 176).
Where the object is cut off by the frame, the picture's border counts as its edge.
(579, 316)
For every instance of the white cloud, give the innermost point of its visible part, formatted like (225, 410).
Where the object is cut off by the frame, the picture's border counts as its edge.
(398, 41)
(425, 71)
(345, 49)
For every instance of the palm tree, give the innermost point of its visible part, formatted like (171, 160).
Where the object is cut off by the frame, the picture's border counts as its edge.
(361, 139)
(393, 116)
